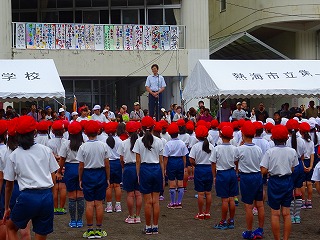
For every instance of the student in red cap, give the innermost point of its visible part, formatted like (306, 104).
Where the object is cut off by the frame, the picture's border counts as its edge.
(30, 163)
(130, 178)
(68, 152)
(42, 136)
(279, 163)
(149, 162)
(249, 156)
(174, 154)
(94, 175)
(203, 179)
(164, 133)
(59, 189)
(267, 128)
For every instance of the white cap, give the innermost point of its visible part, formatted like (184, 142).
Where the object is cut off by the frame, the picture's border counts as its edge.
(96, 107)
(136, 103)
(163, 109)
(104, 111)
(239, 103)
(312, 122)
(61, 110)
(284, 121)
(74, 114)
(270, 120)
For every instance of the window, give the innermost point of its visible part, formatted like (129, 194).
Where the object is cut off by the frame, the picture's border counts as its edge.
(49, 17)
(90, 16)
(116, 16)
(119, 3)
(65, 3)
(155, 16)
(130, 16)
(104, 17)
(48, 4)
(83, 3)
(172, 16)
(15, 4)
(65, 17)
(154, 2)
(28, 17)
(223, 5)
(30, 4)
(100, 3)
(135, 2)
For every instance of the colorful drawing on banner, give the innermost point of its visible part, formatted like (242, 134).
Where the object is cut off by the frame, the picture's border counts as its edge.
(60, 36)
(20, 36)
(147, 37)
(164, 37)
(50, 32)
(138, 37)
(31, 32)
(98, 37)
(79, 35)
(155, 37)
(128, 37)
(108, 37)
(40, 38)
(89, 36)
(174, 39)
(70, 37)
(118, 37)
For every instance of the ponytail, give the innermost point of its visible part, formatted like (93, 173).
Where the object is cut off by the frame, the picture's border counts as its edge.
(205, 146)
(147, 138)
(133, 138)
(110, 141)
(306, 136)
(294, 143)
(12, 142)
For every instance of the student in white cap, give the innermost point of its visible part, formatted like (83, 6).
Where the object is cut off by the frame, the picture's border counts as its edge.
(97, 114)
(137, 113)
(74, 116)
(62, 114)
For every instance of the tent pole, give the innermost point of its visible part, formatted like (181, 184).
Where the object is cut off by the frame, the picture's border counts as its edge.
(219, 108)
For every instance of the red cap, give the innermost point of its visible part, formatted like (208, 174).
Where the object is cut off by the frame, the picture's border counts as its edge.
(157, 127)
(65, 123)
(214, 123)
(292, 124)
(43, 126)
(222, 124)
(235, 124)
(74, 128)
(57, 125)
(201, 131)
(241, 121)
(82, 108)
(91, 127)
(181, 122)
(3, 126)
(268, 126)
(12, 126)
(110, 127)
(147, 122)
(258, 125)
(131, 126)
(304, 127)
(190, 126)
(173, 128)
(201, 122)
(83, 123)
(164, 123)
(279, 132)
(248, 129)
(227, 131)
(26, 124)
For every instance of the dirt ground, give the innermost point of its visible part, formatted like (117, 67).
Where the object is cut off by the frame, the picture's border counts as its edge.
(179, 223)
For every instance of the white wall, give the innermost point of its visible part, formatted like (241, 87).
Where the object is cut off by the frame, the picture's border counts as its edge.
(5, 26)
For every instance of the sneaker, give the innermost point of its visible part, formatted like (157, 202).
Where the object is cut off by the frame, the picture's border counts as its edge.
(63, 211)
(293, 220)
(171, 206)
(255, 211)
(247, 235)
(147, 231)
(108, 209)
(178, 206)
(155, 230)
(161, 198)
(137, 219)
(117, 208)
(73, 224)
(221, 225)
(130, 220)
(100, 234)
(199, 216)
(89, 234)
(79, 224)
(309, 205)
(297, 220)
(230, 223)
(207, 215)
(303, 206)
(55, 211)
(258, 233)
(236, 201)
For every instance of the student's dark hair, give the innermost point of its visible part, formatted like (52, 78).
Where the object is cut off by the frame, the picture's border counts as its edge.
(280, 141)
(3, 138)
(205, 146)
(26, 141)
(258, 132)
(155, 65)
(294, 143)
(140, 133)
(182, 130)
(315, 136)
(133, 138)
(156, 134)
(147, 138)
(42, 131)
(163, 131)
(92, 135)
(306, 136)
(189, 132)
(121, 129)
(58, 133)
(110, 141)
(12, 142)
(75, 141)
(175, 135)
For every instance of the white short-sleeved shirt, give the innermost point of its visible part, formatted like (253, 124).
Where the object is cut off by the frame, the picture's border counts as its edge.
(267, 137)
(192, 141)
(309, 149)
(224, 156)
(42, 139)
(3, 150)
(175, 148)
(166, 136)
(280, 160)
(124, 150)
(55, 144)
(249, 157)
(262, 143)
(301, 146)
(93, 153)
(67, 153)
(164, 142)
(312, 137)
(214, 136)
(316, 173)
(146, 155)
(102, 137)
(113, 152)
(100, 118)
(66, 135)
(79, 119)
(155, 83)
(200, 156)
(32, 168)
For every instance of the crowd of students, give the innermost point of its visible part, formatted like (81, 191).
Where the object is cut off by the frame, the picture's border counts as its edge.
(87, 160)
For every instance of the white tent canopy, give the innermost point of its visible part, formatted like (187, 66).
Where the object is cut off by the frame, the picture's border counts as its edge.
(23, 80)
(253, 78)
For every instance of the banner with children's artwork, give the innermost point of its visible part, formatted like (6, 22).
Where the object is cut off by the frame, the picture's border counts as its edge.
(108, 37)
(155, 37)
(98, 37)
(79, 35)
(138, 37)
(174, 40)
(40, 37)
(89, 36)
(147, 38)
(60, 36)
(128, 37)
(70, 37)
(20, 36)
(50, 32)
(118, 37)
(164, 37)
(31, 33)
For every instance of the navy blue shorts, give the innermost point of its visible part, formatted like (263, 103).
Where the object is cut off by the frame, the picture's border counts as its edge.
(15, 193)
(203, 178)
(251, 187)
(94, 184)
(175, 168)
(298, 175)
(188, 164)
(227, 183)
(307, 175)
(130, 178)
(115, 171)
(35, 205)
(280, 191)
(151, 179)
(71, 176)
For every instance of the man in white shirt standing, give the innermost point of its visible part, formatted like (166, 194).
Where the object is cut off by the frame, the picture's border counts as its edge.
(155, 85)
(97, 114)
